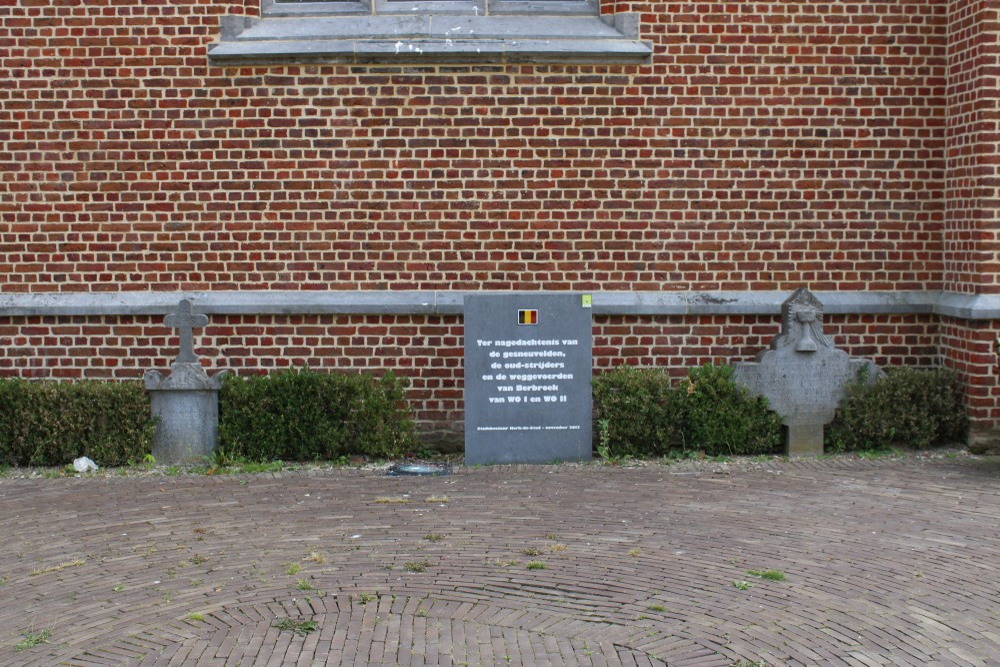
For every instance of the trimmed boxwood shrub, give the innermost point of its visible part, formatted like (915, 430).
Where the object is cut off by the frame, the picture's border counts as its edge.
(306, 415)
(46, 423)
(636, 411)
(909, 407)
(639, 413)
(721, 417)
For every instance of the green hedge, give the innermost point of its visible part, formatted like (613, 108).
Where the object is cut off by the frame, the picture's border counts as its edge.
(909, 407)
(639, 413)
(306, 415)
(52, 423)
(721, 417)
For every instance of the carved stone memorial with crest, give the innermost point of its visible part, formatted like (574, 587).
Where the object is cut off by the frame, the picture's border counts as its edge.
(802, 374)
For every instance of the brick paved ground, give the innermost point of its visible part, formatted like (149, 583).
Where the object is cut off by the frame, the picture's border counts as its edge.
(887, 562)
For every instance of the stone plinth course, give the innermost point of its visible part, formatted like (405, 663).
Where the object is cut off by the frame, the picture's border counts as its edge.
(886, 562)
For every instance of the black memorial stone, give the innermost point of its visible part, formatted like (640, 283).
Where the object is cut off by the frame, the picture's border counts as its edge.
(527, 378)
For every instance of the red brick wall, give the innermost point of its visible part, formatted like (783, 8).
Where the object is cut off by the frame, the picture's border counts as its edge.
(968, 347)
(767, 146)
(972, 196)
(846, 145)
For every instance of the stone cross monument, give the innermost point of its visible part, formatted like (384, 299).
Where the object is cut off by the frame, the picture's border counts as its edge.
(185, 403)
(185, 322)
(802, 375)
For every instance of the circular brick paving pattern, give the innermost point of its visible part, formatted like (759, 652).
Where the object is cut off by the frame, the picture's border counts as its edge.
(885, 562)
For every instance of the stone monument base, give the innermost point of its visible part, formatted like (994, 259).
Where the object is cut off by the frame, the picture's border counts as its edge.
(804, 440)
(185, 405)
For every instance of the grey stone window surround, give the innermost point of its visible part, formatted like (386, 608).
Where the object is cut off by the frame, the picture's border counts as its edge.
(291, 8)
(413, 32)
(949, 304)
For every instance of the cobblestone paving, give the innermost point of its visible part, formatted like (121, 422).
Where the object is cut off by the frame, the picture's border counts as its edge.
(885, 562)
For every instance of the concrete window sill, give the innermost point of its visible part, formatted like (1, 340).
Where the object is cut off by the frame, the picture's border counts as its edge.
(412, 33)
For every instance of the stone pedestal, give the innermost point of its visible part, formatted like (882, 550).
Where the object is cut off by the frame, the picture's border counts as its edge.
(803, 440)
(186, 406)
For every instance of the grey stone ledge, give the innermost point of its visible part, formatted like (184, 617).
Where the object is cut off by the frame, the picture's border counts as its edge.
(411, 52)
(961, 306)
(431, 38)
(969, 306)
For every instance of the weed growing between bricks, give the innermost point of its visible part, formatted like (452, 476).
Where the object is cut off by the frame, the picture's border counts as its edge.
(298, 626)
(32, 638)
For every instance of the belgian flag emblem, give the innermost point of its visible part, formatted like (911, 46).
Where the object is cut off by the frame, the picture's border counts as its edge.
(527, 316)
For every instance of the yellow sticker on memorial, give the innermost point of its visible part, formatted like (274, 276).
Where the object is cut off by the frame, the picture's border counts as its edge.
(527, 317)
